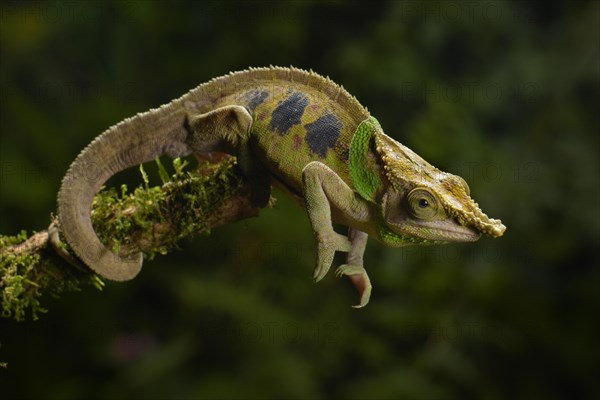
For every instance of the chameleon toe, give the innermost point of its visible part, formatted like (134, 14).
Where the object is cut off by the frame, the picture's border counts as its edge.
(328, 244)
(325, 256)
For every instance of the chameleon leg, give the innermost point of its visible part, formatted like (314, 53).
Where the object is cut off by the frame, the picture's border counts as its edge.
(324, 189)
(354, 266)
(227, 129)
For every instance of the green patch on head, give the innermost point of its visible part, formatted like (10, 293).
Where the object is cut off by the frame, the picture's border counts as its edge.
(366, 180)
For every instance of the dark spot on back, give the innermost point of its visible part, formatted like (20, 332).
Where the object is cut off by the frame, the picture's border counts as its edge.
(322, 134)
(288, 113)
(256, 98)
(297, 142)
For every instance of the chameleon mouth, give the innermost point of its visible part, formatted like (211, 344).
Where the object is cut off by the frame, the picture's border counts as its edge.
(444, 231)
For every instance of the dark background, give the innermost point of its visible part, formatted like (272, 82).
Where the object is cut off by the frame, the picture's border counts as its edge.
(505, 94)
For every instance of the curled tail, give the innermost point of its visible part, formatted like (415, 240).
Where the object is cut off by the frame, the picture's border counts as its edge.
(129, 143)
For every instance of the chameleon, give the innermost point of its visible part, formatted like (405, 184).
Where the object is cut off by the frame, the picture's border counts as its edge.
(298, 131)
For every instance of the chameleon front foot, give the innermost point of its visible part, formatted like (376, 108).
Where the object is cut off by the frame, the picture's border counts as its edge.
(328, 244)
(359, 277)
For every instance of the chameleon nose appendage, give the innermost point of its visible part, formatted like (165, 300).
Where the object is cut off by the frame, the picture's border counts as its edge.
(495, 229)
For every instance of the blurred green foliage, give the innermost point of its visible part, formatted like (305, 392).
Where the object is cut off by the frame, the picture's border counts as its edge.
(505, 94)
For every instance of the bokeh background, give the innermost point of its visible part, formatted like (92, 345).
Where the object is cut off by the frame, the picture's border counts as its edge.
(505, 94)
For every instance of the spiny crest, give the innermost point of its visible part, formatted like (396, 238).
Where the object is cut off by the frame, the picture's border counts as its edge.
(403, 167)
(274, 74)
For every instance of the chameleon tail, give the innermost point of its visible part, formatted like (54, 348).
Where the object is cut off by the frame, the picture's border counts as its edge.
(131, 142)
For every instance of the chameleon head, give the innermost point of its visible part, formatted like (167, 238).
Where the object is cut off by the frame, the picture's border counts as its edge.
(434, 214)
(425, 205)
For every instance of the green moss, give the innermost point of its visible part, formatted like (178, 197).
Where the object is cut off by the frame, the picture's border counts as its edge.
(14, 269)
(159, 217)
(154, 218)
(25, 276)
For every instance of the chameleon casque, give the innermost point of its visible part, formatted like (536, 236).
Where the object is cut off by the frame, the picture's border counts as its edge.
(301, 132)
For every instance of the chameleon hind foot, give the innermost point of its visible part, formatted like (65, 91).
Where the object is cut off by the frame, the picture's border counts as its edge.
(359, 277)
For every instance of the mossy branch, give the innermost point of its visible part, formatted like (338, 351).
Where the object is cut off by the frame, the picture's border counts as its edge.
(151, 219)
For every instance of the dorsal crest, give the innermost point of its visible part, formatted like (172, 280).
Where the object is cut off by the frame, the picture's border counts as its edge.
(403, 167)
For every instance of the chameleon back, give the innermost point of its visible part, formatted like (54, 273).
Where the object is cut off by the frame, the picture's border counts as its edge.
(298, 121)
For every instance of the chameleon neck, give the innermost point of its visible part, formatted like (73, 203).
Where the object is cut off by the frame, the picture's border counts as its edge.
(362, 161)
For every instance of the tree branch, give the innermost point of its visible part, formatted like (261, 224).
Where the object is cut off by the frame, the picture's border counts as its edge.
(151, 219)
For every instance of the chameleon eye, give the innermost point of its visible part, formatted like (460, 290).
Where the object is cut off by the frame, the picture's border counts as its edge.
(422, 203)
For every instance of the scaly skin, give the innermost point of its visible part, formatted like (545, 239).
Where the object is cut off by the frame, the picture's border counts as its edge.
(297, 130)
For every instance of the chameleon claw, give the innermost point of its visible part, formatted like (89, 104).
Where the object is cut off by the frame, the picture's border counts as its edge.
(360, 279)
(327, 246)
(324, 259)
(320, 272)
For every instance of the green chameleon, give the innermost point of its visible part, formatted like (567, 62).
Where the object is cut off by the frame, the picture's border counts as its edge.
(298, 131)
